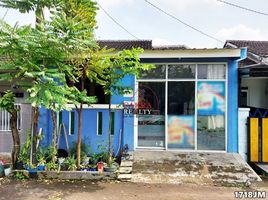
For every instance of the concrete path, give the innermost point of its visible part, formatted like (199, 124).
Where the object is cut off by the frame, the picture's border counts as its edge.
(87, 190)
(191, 167)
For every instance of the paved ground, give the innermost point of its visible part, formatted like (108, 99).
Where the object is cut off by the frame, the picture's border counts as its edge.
(80, 190)
(192, 167)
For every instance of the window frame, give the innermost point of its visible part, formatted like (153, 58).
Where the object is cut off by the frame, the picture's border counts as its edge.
(70, 132)
(196, 80)
(101, 126)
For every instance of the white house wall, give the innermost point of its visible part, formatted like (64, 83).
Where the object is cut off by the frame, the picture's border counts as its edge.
(256, 92)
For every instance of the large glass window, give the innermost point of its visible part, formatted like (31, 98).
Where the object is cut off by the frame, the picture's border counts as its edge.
(151, 128)
(211, 115)
(181, 71)
(159, 72)
(211, 71)
(195, 109)
(181, 115)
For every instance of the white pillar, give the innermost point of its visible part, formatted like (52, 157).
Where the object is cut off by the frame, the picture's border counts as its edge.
(243, 114)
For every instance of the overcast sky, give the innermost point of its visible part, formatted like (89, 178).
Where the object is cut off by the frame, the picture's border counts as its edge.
(145, 22)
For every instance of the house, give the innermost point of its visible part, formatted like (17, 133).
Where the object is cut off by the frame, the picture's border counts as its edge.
(253, 73)
(24, 116)
(188, 102)
(253, 104)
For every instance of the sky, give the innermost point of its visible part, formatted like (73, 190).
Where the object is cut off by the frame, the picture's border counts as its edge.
(145, 22)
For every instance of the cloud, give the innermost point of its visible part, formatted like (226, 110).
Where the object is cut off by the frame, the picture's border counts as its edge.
(110, 3)
(241, 32)
(183, 5)
(161, 41)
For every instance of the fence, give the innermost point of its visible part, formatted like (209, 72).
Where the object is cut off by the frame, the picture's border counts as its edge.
(258, 135)
(5, 119)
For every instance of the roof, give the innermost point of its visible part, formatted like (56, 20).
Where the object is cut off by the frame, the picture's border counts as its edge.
(125, 44)
(129, 44)
(259, 48)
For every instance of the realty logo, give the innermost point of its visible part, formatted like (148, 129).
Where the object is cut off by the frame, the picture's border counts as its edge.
(146, 97)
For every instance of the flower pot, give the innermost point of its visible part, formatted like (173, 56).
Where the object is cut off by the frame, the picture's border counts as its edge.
(41, 167)
(1, 170)
(110, 169)
(92, 169)
(100, 166)
(7, 171)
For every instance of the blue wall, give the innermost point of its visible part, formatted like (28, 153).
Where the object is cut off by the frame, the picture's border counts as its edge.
(126, 124)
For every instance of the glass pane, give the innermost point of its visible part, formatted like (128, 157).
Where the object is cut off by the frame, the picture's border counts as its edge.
(72, 124)
(211, 116)
(112, 128)
(211, 132)
(181, 115)
(99, 123)
(181, 71)
(159, 72)
(151, 128)
(211, 71)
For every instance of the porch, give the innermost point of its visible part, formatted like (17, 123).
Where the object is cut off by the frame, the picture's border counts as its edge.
(192, 167)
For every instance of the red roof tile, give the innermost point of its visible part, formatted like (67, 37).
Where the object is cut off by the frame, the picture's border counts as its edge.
(259, 48)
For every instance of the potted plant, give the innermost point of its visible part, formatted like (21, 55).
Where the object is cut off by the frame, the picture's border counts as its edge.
(1, 170)
(112, 166)
(70, 163)
(7, 170)
(51, 166)
(92, 167)
(41, 161)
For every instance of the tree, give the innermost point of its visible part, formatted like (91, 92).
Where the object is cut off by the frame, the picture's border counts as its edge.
(116, 67)
(53, 51)
(30, 5)
(7, 102)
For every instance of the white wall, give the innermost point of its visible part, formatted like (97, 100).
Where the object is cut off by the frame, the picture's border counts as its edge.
(243, 114)
(256, 92)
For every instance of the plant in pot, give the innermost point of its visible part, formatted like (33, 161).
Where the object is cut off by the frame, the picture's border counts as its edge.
(51, 166)
(70, 163)
(111, 166)
(92, 167)
(41, 160)
(7, 169)
(1, 169)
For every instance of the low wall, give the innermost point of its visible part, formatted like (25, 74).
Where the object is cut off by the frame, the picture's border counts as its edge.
(243, 114)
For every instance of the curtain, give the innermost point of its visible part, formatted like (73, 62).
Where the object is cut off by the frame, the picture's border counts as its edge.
(215, 71)
(215, 121)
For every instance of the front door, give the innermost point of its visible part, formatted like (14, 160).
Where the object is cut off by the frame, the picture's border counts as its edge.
(151, 120)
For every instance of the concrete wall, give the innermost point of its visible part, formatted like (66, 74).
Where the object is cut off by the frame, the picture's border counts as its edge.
(243, 114)
(256, 92)
(126, 124)
(6, 141)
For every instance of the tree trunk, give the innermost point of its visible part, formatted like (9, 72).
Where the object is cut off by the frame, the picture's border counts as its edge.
(16, 138)
(78, 150)
(39, 17)
(54, 139)
(80, 110)
(109, 132)
(35, 132)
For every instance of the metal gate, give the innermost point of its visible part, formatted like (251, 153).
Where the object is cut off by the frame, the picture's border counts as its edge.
(258, 139)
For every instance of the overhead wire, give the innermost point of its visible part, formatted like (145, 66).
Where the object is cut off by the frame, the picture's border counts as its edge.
(116, 22)
(243, 8)
(184, 23)
(5, 14)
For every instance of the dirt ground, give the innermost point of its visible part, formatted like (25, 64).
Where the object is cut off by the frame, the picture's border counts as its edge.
(80, 190)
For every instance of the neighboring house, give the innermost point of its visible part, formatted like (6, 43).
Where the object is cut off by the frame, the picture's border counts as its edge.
(253, 73)
(188, 102)
(24, 116)
(253, 95)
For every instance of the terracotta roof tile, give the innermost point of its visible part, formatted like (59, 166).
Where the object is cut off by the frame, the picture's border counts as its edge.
(259, 48)
(125, 44)
(129, 44)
